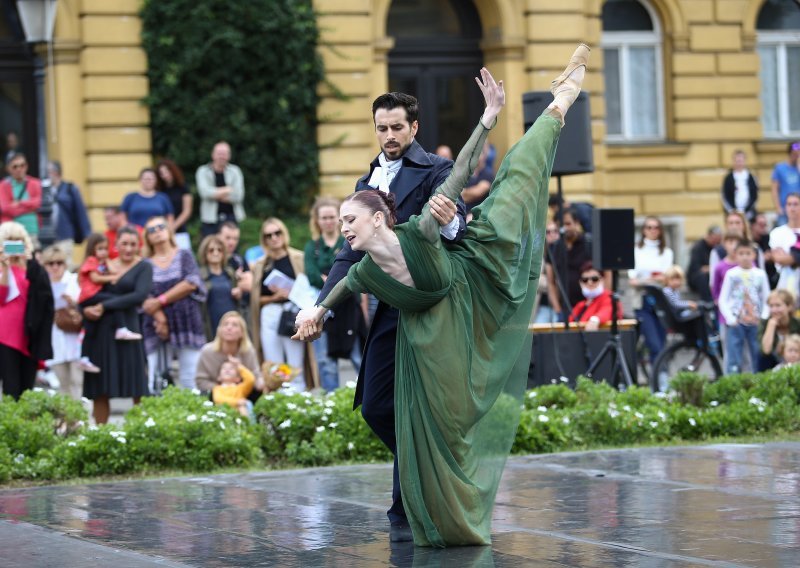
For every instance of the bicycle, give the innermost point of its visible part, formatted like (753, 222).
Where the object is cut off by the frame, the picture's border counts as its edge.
(693, 344)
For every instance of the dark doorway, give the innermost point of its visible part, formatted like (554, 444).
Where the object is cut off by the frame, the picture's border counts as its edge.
(436, 58)
(18, 66)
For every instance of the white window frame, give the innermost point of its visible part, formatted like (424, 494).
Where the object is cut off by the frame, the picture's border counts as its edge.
(780, 40)
(623, 41)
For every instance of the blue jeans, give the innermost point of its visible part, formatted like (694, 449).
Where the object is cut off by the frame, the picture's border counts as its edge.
(741, 337)
(655, 336)
(329, 367)
(546, 314)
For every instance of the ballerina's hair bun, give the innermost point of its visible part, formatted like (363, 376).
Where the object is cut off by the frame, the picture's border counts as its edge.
(375, 200)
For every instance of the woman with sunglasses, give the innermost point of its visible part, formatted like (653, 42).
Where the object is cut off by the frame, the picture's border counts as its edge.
(596, 308)
(269, 301)
(221, 281)
(173, 322)
(66, 344)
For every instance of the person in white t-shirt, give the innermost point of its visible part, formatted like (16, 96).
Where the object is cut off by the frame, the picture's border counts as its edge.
(782, 240)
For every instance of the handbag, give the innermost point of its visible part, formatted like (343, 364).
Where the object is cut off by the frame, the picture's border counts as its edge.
(286, 325)
(68, 319)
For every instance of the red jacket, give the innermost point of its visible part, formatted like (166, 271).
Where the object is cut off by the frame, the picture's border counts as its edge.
(600, 307)
(9, 212)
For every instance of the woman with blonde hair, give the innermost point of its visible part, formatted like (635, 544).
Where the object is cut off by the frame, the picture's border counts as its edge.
(344, 334)
(231, 343)
(269, 301)
(26, 310)
(780, 324)
(66, 344)
(173, 322)
(221, 280)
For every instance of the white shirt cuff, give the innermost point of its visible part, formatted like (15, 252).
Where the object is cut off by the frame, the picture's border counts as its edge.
(450, 231)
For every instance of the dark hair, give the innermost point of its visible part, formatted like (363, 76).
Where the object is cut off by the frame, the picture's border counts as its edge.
(745, 243)
(177, 174)
(114, 208)
(554, 199)
(91, 244)
(375, 200)
(587, 266)
(145, 170)
(128, 230)
(56, 165)
(662, 243)
(228, 225)
(16, 156)
(572, 212)
(393, 100)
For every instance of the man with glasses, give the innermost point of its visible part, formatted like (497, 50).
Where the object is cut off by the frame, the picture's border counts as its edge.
(786, 180)
(21, 196)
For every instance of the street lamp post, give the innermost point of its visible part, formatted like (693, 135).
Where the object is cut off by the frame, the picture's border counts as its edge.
(38, 19)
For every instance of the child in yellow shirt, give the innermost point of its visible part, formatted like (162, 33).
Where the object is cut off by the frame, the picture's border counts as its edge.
(235, 385)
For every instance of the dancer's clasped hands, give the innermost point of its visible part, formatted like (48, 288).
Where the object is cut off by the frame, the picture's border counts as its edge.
(308, 324)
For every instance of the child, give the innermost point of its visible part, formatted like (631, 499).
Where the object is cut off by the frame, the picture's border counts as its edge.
(790, 351)
(675, 278)
(92, 275)
(743, 302)
(235, 385)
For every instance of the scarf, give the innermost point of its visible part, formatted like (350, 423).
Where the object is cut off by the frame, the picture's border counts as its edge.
(383, 175)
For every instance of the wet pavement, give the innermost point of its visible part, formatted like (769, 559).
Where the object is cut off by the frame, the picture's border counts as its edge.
(724, 505)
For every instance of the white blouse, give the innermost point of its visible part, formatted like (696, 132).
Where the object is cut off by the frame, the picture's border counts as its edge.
(648, 260)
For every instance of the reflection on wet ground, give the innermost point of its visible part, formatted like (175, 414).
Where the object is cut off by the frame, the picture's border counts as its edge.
(726, 505)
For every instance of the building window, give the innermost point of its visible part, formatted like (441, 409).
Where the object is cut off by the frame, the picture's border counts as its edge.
(633, 72)
(778, 27)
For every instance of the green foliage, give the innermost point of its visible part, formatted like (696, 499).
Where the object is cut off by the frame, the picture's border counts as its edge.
(245, 72)
(689, 387)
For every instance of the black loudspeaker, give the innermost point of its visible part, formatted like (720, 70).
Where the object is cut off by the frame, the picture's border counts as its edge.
(574, 153)
(612, 239)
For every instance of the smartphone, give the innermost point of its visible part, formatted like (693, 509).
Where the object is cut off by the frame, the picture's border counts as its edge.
(12, 248)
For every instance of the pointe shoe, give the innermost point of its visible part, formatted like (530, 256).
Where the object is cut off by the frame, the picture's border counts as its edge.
(565, 87)
(125, 334)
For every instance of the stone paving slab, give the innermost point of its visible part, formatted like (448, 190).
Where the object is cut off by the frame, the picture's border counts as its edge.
(723, 505)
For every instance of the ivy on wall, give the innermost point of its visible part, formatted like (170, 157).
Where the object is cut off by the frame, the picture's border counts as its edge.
(244, 72)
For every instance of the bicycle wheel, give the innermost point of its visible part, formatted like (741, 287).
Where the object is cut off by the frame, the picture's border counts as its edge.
(680, 357)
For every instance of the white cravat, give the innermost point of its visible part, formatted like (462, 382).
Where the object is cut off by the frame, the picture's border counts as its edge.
(383, 175)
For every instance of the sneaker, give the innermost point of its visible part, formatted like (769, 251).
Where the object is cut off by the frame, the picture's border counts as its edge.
(85, 365)
(125, 334)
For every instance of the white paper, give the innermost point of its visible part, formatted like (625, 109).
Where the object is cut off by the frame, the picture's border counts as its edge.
(303, 294)
(279, 280)
(59, 288)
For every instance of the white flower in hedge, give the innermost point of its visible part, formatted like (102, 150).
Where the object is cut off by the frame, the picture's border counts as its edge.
(309, 402)
(662, 415)
(692, 421)
(713, 403)
(350, 384)
(543, 418)
(542, 409)
(613, 413)
(37, 389)
(150, 422)
(291, 406)
(20, 457)
(269, 397)
(122, 440)
(222, 425)
(351, 446)
(323, 418)
(320, 428)
(285, 424)
(196, 391)
(565, 420)
(191, 418)
(71, 444)
(328, 411)
(329, 404)
(638, 415)
(305, 394)
(208, 404)
(238, 421)
(206, 418)
(532, 394)
(563, 379)
(626, 408)
(221, 414)
(116, 434)
(757, 402)
(653, 424)
(333, 425)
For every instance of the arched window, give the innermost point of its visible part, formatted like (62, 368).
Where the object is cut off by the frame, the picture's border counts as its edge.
(778, 28)
(633, 71)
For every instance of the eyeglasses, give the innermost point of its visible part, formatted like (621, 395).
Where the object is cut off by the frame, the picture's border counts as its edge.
(651, 227)
(155, 228)
(271, 235)
(592, 279)
(55, 263)
(214, 250)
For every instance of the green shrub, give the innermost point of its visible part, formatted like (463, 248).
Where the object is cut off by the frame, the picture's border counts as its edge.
(689, 387)
(245, 72)
(558, 396)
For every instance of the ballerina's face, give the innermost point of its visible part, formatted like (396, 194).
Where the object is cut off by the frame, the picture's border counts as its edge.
(358, 224)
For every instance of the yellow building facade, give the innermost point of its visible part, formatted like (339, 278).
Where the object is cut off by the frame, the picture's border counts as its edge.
(710, 97)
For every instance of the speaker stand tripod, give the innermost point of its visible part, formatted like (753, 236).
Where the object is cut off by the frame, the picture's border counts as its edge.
(613, 347)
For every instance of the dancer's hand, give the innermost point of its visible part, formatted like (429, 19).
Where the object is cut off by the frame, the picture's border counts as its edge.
(442, 209)
(493, 94)
(309, 330)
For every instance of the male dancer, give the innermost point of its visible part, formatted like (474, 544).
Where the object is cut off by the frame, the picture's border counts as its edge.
(405, 169)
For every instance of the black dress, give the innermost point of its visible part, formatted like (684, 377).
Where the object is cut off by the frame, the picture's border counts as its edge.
(123, 372)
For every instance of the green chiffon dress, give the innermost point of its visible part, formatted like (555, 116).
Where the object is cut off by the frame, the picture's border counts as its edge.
(463, 346)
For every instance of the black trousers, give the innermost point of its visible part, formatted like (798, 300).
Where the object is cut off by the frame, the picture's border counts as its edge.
(17, 371)
(377, 402)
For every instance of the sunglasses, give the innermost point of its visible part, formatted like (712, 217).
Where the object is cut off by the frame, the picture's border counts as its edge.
(214, 250)
(55, 263)
(271, 235)
(592, 279)
(155, 228)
